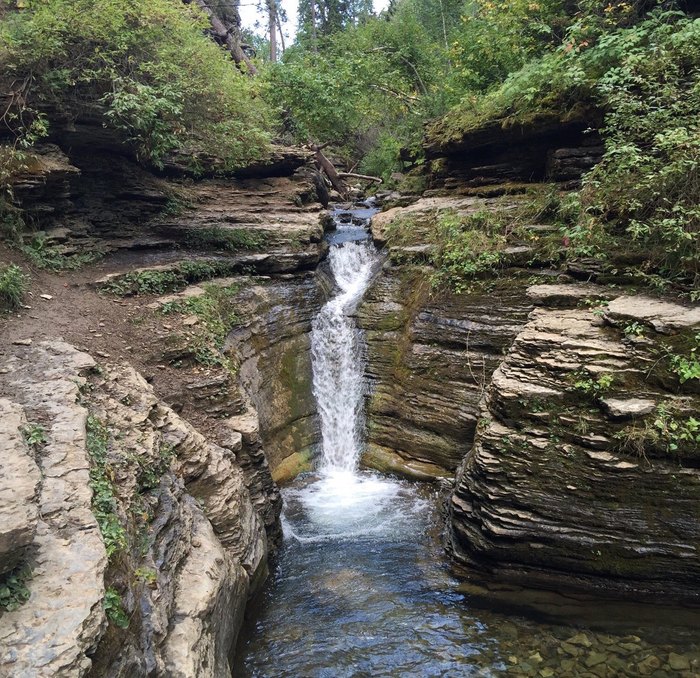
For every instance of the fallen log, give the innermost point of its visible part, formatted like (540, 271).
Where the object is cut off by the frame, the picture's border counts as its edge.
(365, 177)
(323, 163)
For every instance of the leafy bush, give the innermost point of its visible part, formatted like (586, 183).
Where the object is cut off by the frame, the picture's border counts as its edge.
(114, 608)
(648, 183)
(13, 285)
(686, 365)
(149, 66)
(45, 255)
(104, 501)
(466, 247)
(666, 431)
(167, 280)
(645, 194)
(14, 589)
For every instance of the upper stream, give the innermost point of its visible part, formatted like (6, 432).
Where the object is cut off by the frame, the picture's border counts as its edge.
(362, 586)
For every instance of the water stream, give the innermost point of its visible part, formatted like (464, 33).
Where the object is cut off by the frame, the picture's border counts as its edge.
(362, 586)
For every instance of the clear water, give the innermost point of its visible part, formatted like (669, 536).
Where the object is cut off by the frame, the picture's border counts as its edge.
(362, 586)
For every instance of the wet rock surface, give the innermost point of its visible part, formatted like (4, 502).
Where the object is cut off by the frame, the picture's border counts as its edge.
(272, 345)
(430, 359)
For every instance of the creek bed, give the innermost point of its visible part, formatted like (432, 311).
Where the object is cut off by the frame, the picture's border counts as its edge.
(362, 588)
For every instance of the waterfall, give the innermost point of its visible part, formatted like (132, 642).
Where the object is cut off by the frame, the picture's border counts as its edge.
(341, 503)
(337, 357)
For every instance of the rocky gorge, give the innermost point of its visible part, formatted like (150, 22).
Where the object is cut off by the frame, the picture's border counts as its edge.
(154, 399)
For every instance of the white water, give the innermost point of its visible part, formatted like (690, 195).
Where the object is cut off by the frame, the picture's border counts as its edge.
(340, 502)
(337, 358)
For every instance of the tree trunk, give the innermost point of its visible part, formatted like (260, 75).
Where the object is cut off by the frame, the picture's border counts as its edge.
(365, 177)
(323, 163)
(314, 36)
(272, 29)
(228, 36)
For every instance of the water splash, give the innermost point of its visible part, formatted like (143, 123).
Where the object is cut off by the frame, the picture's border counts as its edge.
(337, 357)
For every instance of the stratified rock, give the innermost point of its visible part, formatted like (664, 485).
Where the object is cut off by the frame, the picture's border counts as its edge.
(664, 316)
(19, 488)
(53, 633)
(551, 495)
(273, 347)
(195, 545)
(628, 408)
(429, 361)
(567, 295)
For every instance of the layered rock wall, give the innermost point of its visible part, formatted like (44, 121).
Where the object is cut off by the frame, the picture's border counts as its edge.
(575, 480)
(152, 522)
(430, 357)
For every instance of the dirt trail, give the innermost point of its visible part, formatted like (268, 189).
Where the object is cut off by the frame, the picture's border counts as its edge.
(107, 327)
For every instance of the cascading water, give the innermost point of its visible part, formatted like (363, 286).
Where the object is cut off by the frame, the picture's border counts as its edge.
(361, 588)
(337, 357)
(341, 502)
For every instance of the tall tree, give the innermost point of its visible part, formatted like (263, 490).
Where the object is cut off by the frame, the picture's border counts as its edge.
(323, 17)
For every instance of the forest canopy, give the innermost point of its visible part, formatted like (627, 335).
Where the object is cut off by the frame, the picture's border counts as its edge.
(375, 88)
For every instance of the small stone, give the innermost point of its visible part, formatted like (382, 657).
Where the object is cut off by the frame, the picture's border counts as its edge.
(102, 354)
(630, 647)
(570, 649)
(101, 324)
(513, 660)
(98, 335)
(580, 639)
(537, 658)
(167, 327)
(595, 658)
(678, 662)
(22, 342)
(546, 672)
(48, 297)
(190, 320)
(506, 630)
(648, 665)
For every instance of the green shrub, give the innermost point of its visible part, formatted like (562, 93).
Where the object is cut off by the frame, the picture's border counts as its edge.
(13, 286)
(34, 435)
(14, 589)
(594, 387)
(644, 197)
(229, 239)
(114, 608)
(104, 501)
(47, 256)
(466, 247)
(666, 431)
(159, 80)
(168, 280)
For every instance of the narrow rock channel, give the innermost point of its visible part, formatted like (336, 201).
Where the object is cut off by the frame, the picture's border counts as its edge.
(362, 586)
